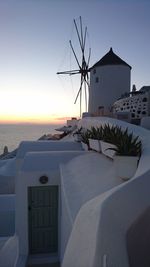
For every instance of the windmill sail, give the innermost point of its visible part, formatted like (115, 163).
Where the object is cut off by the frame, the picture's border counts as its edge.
(83, 66)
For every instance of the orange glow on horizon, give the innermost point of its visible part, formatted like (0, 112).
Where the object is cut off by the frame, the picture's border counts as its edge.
(29, 120)
(36, 108)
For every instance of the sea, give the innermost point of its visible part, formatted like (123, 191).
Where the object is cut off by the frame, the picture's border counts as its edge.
(12, 134)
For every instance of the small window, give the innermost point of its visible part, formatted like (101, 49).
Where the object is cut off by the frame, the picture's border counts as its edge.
(144, 99)
(97, 80)
(94, 71)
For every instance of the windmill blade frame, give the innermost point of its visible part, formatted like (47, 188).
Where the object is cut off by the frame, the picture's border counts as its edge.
(83, 67)
(70, 72)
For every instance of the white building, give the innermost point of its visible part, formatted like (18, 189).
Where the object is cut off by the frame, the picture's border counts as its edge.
(91, 213)
(137, 104)
(109, 79)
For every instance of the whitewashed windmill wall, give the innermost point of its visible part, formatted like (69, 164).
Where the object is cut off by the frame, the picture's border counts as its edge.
(109, 79)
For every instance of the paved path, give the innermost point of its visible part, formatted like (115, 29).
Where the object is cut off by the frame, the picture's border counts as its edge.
(45, 265)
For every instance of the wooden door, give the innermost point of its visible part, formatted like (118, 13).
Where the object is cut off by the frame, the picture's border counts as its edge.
(43, 219)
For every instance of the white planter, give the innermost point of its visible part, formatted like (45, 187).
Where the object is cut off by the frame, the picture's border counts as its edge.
(85, 146)
(108, 152)
(95, 145)
(125, 166)
(77, 137)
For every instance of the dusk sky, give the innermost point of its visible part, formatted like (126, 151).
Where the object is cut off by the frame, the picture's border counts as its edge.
(34, 46)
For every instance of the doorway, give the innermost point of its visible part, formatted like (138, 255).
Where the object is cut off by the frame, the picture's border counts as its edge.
(43, 219)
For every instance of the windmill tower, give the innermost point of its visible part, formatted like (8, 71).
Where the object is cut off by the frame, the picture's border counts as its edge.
(109, 79)
(82, 65)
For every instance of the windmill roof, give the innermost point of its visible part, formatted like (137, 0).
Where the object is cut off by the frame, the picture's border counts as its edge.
(110, 59)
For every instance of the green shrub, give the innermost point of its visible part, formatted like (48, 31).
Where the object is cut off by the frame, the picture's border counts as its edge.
(79, 131)
(85, 136)
(96, 133)
(110, 133)
(127, 144)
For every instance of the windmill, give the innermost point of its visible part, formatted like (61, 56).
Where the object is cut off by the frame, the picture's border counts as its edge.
(83, 65)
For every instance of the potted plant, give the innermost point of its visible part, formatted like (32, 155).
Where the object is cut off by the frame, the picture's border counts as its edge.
(109, 139)
(95, 137)
(77, 135)
(128, 151)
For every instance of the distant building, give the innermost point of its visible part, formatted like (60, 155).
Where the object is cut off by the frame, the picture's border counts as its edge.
(109, 79)
(137, 104)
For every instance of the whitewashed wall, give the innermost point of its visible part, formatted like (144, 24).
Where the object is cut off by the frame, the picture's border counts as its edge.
(99, 232)
(137, 105)
(113, 81)
(7, 176)
(103, 223)
(145, 122)
(35, 165)
(9, 253)
(7, 215)
(29, 146)
(82, 179)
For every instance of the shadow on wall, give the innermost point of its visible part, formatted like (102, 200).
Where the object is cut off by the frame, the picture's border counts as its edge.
(7, 215)
(138, 241)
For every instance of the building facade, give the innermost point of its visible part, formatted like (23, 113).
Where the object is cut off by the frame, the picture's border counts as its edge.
(109, 79)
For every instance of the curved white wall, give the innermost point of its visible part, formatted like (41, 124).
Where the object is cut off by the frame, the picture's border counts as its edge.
(104, 222)
(99, 232)
(82, 179)
(113, 81)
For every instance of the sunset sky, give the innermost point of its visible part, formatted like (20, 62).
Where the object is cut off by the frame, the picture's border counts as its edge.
(34, 46)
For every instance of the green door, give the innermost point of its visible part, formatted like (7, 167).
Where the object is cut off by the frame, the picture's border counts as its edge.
(43, 219)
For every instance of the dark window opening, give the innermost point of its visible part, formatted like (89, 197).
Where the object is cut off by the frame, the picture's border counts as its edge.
(97, 80)
(144, 99)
